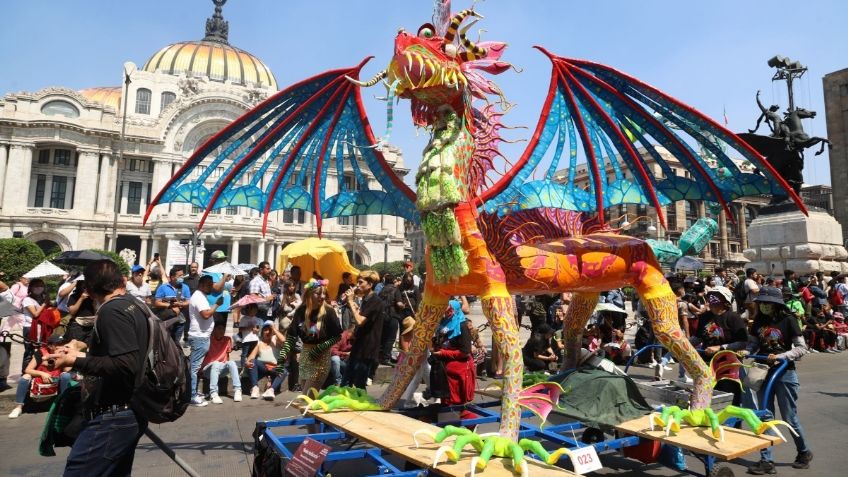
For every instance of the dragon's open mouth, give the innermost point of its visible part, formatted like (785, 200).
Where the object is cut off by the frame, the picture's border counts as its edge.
(417, 67)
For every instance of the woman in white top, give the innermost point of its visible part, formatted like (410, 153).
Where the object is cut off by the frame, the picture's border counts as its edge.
(32, 306)
(263, 361)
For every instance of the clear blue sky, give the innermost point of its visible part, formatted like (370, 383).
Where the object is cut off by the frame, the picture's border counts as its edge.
(711, 55)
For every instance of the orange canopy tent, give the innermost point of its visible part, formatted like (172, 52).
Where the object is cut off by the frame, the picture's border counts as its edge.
(326, 257)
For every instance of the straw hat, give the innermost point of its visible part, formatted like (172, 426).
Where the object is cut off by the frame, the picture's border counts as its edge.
(408, 323)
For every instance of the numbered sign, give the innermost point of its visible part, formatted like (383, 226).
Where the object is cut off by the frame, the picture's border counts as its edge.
(585, 459)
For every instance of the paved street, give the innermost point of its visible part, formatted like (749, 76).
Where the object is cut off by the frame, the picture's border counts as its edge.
(217, 441)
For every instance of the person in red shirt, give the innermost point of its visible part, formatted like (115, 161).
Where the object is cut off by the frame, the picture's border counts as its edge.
(339, 354)
(218, 360)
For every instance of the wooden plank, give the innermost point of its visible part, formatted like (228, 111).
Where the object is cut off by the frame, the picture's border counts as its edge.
(393, 433)
(736, 442)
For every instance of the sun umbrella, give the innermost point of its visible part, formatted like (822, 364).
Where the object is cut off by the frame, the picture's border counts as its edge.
(247, 300)
(80, 257)
(45, 269)
(609, 307)
(326, 257)
(246, 266)
(689, 263)
(225, 268)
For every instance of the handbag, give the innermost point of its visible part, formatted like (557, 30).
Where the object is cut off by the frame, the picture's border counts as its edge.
(755, 375)
(439, 387)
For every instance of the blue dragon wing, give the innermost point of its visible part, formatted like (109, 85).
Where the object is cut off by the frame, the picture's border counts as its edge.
(292, 139)
(615, 121)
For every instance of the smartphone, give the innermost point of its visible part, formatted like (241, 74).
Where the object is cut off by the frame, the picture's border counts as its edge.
(155, 256)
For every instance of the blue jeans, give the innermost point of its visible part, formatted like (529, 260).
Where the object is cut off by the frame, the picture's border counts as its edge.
(337, 369)
(357, 372)
(213, 373)
(786, 393)
(65, 380)
(28, 351)
(199, 347)
(106, 445)
(259, 371)
(23, 389)
(177, 329)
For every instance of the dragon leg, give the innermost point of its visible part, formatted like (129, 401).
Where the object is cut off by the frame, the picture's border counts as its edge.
(453, 453)
(480, 463)
(498, 306)
(754, 422)
(430, 312)
(535, 447)
(579, 311)
(661, 305)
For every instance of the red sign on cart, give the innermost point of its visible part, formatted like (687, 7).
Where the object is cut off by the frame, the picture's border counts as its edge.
(307, 459)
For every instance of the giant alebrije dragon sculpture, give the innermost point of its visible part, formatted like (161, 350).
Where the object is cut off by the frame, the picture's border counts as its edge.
(487, 236)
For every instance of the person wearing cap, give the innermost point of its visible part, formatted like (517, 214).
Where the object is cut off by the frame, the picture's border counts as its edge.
(722, 329)
(137, 284)
(38, 370)
(262, 361)
(776, 335)
(201, 322)
(221, 286)
(65, 290)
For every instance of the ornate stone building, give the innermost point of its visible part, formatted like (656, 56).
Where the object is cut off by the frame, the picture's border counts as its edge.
(60, 175)
(725, 250)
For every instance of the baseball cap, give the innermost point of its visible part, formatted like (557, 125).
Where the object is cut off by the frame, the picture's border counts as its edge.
(219, 254)
(267, 323)
(137, 268)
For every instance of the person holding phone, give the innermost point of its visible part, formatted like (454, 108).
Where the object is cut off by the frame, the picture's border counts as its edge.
(201, 323)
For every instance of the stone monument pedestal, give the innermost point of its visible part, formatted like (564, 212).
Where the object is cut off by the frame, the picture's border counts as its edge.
(783, 238)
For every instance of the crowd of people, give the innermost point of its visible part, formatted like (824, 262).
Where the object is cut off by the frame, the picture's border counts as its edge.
(287, 329)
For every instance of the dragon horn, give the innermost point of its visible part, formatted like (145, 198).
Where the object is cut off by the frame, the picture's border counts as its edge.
(426, 432)
(456, 21)
(472, 51)
(365, 84)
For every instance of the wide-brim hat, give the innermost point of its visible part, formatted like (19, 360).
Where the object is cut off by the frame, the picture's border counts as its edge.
(770, 295)
(408, 323)
(723, 293)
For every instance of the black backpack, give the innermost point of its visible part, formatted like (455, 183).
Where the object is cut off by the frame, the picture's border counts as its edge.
(162, 387)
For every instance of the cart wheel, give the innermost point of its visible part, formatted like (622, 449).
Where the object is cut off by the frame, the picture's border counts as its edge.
(592, 435)
(721, 471)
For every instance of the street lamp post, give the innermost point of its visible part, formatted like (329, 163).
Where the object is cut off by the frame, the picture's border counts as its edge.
(386, 242)
(128, 69)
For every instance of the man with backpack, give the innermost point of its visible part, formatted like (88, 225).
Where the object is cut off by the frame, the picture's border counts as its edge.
(111, 429)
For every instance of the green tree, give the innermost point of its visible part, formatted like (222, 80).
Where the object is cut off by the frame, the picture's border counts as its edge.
(395, 268)
(18, 256)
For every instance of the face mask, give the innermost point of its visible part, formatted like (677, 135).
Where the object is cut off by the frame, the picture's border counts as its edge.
(37, 290)
(179, 281)
(766, 308)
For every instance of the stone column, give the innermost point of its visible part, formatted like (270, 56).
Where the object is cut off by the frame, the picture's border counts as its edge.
(724, 248)
(272, 254)
(260, 250)
(142, 253)
(743, 227)
(3, 156)
(17, 180)
(106, 185)
(234, 253)
(86, 186)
